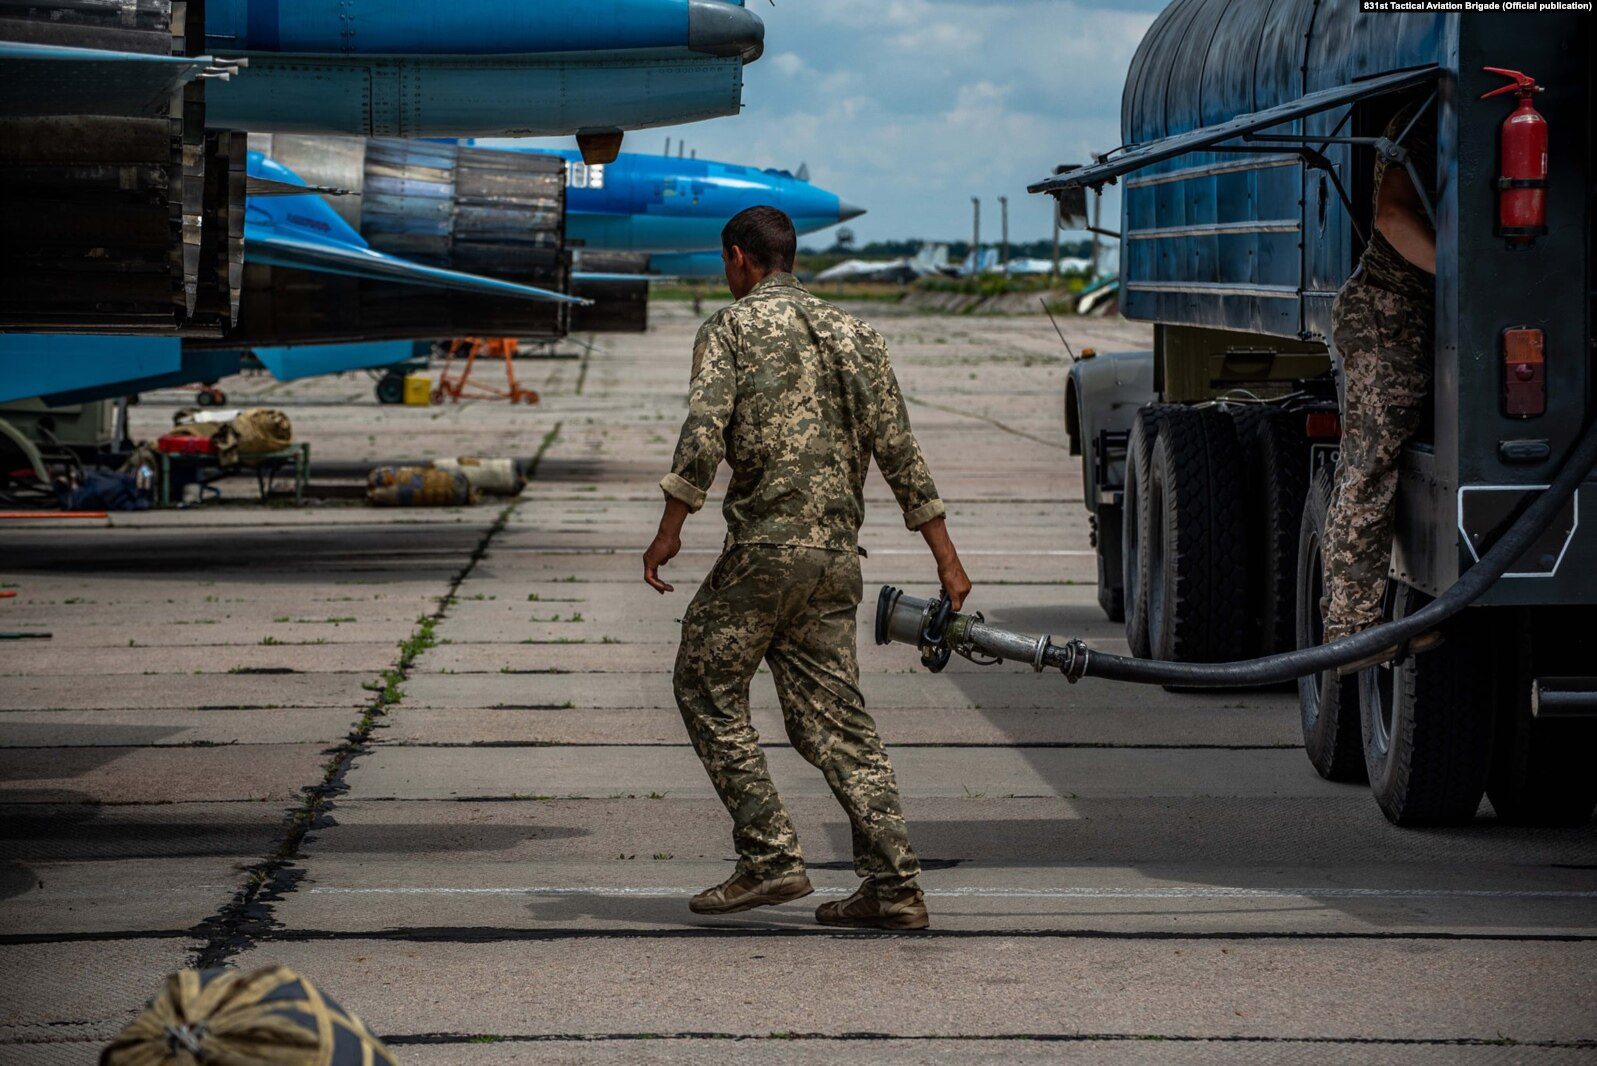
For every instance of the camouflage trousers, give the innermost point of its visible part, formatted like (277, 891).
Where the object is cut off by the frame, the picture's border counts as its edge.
(1384, 341)
(795, 609)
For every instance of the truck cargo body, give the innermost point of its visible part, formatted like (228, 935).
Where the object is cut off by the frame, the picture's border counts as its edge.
(1247, 167)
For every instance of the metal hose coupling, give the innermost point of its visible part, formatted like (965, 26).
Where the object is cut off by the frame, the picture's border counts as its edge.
(941, 633)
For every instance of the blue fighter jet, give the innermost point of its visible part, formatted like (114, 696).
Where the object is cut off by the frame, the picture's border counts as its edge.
(452, 68)
(668, 204)
(299, 230)
(287, 224)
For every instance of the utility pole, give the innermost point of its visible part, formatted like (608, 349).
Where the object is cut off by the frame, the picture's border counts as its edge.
(1003, 254)
(975, 237)
(1097, 221)
(1055, 213)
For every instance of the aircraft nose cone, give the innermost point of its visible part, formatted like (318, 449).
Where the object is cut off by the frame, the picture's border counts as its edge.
(721, 28)
(846, 210)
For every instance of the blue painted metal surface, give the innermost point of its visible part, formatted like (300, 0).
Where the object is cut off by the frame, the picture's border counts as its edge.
(480, 27)
(37, 364)
(498, 97)
(1240, 240)
(477, 68)
(313, 360)
(206, 367)
(304, 233)
(687, 265)
(658, 203)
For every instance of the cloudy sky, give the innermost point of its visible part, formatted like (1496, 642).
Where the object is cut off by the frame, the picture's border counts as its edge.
(911, 107)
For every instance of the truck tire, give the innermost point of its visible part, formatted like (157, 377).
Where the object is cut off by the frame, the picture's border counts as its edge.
(1427, 724)
(1278, 485)
(1327, 703)
(1195, 549)
(1134, 524)
(1107, 528)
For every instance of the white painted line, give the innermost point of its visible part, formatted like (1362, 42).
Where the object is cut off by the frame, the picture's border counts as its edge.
(976, 892)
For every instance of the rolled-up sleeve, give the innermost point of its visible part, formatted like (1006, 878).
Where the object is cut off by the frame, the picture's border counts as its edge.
(702, 443)
(899, 456)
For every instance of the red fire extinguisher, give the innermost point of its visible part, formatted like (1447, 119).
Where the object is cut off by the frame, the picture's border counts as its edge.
(1522, 183)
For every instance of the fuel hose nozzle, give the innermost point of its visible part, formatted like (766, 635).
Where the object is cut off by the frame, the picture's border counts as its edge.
(940, 633)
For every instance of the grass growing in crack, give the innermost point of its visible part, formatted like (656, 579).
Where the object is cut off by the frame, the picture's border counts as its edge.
(388, 689)
(234, 927)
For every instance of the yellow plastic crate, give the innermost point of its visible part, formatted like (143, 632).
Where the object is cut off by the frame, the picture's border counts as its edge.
(418, 390)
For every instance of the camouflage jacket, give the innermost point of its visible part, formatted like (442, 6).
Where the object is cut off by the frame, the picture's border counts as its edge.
(797, 396)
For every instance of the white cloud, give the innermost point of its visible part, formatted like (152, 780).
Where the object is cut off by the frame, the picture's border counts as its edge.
(911, 107)
(786, 63)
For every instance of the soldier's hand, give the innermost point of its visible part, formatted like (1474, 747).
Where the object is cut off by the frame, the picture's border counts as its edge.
(951, 574)
(661, 551)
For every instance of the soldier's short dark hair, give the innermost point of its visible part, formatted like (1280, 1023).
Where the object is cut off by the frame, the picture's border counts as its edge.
(766, 236)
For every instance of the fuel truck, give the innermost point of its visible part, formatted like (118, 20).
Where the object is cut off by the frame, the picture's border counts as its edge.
(1251, 134)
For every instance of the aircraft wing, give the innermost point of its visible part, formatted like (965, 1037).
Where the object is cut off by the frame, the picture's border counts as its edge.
(47, 79)
(262, 246)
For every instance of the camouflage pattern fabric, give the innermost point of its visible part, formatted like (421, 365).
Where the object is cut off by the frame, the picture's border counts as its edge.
(797, 396)
(271, 1017)
(1383, 265)
(418, 486)
(1384, 340)
(795, 608)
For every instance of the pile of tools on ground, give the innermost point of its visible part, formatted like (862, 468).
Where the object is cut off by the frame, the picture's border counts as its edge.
(203, 446)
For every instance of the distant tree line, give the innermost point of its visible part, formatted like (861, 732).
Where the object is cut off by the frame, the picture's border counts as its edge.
(957, 250)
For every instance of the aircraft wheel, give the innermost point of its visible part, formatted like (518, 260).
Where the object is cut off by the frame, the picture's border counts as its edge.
(390, 389)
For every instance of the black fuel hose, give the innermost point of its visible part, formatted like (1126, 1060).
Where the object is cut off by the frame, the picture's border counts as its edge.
(1076, 660)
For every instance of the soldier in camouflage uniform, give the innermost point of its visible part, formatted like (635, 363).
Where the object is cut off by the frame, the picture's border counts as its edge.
(1382, 326)
(798, 397)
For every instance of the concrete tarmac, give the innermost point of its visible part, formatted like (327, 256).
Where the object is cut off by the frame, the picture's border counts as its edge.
(431, 759)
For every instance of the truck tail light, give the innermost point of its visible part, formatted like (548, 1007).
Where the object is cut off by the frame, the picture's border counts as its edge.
(1322, 425)
(1524, 372)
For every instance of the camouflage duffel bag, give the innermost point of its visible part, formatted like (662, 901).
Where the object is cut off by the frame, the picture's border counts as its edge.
(418, 486)
(272, 1017)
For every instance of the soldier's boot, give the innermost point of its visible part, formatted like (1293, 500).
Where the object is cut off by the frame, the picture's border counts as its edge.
(866, 909)
(742, 892)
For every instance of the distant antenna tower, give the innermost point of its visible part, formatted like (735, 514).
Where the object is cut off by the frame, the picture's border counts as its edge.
(845, 238)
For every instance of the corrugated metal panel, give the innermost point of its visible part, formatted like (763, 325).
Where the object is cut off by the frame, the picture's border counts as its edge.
(1196, 252)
